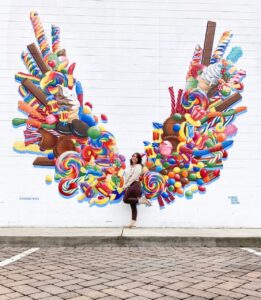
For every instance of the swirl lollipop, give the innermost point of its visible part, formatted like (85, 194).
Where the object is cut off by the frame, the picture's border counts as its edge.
(195, 97)
(68, 165)
(68, 187)
(153, 184)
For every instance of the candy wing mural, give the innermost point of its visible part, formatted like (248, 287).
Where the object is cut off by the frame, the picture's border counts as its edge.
(188, 149)
(60, 126)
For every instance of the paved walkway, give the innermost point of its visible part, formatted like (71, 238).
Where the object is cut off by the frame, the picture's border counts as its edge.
(131, 237)
(134, 273)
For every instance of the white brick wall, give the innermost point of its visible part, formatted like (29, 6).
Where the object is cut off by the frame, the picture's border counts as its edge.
(127, 54)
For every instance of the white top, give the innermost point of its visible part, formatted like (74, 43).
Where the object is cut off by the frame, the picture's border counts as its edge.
(133, 174)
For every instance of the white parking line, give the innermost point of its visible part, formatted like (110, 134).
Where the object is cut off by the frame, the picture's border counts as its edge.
(252, 251)
(18, 256)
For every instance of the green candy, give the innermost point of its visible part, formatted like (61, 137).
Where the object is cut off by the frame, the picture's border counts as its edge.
(166, 165)
(177, 117)
(189, 193)
(94, 132)
(192, 177)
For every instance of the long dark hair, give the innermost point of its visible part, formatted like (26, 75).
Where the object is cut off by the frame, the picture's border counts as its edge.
(139, 157)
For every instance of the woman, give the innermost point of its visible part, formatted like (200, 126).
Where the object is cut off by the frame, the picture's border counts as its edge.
(132, 187)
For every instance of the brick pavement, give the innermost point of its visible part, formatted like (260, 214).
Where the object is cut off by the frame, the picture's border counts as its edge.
(136, 273)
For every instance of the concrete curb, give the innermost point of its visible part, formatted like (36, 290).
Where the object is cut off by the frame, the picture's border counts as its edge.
(120, 236)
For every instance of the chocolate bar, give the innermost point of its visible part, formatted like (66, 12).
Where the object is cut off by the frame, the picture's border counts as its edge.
(43, 161)
(213, 89)
(35, 91)
(208, 44)
(228, 102)
(38, 58)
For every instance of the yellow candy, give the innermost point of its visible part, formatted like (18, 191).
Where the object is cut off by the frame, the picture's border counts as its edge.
(176, 170)
(194, 188)
(198, 175)
(86, 109)
(102, 128)
(48, 178)
(177, 184)
(200, 165)
(166, 177)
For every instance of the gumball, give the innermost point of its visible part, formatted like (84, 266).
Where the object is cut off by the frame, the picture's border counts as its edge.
(221, 137)
(166, 164)
(198, 175)
(86, 109)
(164, 195)
(195, 169)
(171, 181)
(94, 132)
(176, 170)
(179, 191)
(176, 127)
(88, 104)
(149, 164)
(159, 168)
(192, 176)
(194, 188)
(200, 165)
(171, 188)
(177, 184)
(201, 188)
(189, 193)
(203, 173)
(172, 161)
(51, 155)
(181, 165)
(165, 177)
(177, 177)
(184, 181)
(177, 117)
(171, 174)
(184, 174)
(200, 181)
(104, 118)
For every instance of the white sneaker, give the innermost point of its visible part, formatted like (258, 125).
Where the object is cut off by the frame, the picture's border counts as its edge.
(144, 200)
(132, 224)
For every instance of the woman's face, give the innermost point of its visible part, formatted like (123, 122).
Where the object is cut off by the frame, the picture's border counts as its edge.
(134, 159)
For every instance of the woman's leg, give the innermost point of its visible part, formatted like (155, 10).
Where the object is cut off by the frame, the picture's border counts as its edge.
(134, 211)
(131, 197)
